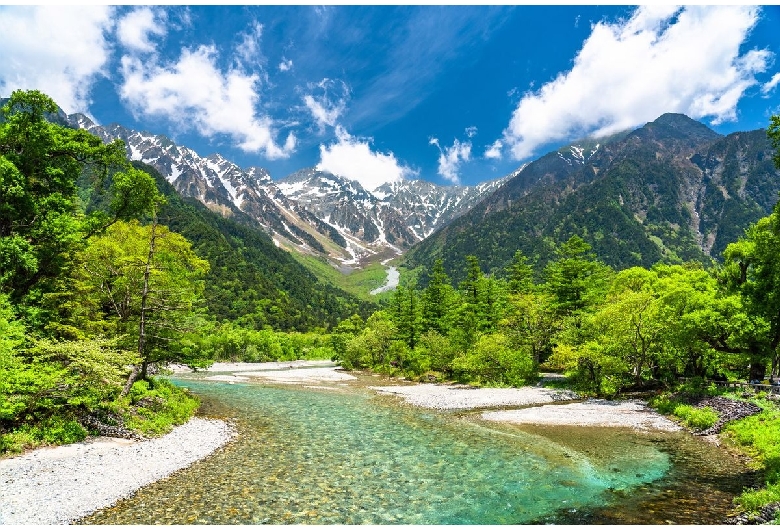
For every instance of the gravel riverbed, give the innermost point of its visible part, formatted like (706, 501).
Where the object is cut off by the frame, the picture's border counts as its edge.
(62, 484)
(460, 397)
(591, 413)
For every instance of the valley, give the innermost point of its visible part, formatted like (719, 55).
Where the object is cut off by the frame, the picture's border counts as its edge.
(389, 264)
(635, 284)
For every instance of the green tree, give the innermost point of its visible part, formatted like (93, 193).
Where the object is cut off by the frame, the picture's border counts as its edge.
(773, 131)
(492, 360)
(405, 310)
(753, 270)
(145, 284)
(575, 279)
(530, 323)
(374, 346)
(437, 301)
(481, 304)
(42, 224)
(343, 333)
(520, 274)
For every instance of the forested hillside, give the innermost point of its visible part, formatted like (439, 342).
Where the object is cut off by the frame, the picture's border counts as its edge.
(251, 282)
(107, 275)
(671, 191)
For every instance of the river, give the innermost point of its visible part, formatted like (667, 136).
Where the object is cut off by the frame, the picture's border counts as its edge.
(344, 455)
(393, 276)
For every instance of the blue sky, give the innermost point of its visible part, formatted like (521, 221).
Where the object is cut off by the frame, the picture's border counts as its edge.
(450, 94)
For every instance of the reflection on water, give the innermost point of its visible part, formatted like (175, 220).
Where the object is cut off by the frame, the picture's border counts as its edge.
(308, 456)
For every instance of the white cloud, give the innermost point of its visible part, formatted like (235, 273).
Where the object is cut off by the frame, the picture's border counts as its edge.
(354, 159)
(662, 59)
(57, 50)
(195, 93)
(471, 132)
(285, 65)
(450, 158)
(135, 28)
(327, 108)
(494, 150)
(248, 50)
(770, 85)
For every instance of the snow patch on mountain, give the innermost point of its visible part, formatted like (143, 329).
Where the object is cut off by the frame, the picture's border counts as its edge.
(310, 210)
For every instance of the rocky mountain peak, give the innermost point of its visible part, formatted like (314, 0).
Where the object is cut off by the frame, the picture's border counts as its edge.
(309, 210)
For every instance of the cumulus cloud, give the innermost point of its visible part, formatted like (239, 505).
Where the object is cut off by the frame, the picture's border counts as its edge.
(662, 59)
(329, 105)
(471, 132)
(770, 85)
(494, 150)
(135, 28)
(450, 158)
(286, 65)
(354, 159)
(195, 93)
(58, 50)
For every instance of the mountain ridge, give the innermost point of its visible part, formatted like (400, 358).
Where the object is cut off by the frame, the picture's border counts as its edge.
(309, 211)
(672, 190)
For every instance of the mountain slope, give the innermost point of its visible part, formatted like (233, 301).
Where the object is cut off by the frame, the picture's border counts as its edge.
(672, 190)
(251, 281)
(309, 211)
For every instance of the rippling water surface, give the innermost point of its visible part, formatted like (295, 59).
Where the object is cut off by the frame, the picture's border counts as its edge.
(347, 456)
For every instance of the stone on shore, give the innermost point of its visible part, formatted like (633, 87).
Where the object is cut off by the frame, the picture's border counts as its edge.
(62, 484)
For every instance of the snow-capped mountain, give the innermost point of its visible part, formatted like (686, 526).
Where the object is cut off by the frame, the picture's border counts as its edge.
(310, 210)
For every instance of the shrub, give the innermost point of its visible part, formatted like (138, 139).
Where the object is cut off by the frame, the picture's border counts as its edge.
(17, 441)
(159, 408)
(492, 361)
(759, 435)
(57, 431)
(693, 417)
(753, 500)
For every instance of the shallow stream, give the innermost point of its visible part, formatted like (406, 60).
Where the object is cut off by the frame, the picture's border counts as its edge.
(343, 455)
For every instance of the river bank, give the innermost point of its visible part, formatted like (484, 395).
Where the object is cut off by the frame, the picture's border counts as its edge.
(540, 405)
(62, 484)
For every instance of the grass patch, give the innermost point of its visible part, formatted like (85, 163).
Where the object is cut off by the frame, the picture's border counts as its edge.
(696, 418)
(759, 437)
(359, 282)
(690, 416)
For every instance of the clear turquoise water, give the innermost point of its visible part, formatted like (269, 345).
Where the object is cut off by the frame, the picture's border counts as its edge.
(310, 456)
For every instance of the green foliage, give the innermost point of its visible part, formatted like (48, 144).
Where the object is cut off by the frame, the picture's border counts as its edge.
(42, 224)
(575, 279)
(754, 500)
(773, 132)
(54, 430)
(493, 361)
(69, 277)
(696, 418)
(158, 406)
(122, 278)
(759, 435)
(374, 347)
(92, 371)
(228, 342)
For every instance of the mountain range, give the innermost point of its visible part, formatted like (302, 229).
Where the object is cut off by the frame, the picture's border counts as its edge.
(673, 190)
(310, 211)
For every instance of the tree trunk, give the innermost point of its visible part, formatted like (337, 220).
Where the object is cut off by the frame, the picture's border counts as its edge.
(141, 369)
(131, 379)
